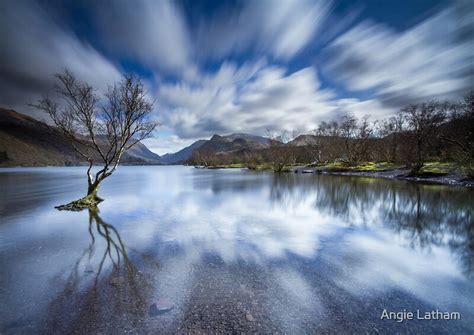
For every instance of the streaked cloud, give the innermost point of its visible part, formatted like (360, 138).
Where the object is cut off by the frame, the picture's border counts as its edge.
(434, 59)
(253, 98)
(152, 32)
(35, 47)
(280, 28)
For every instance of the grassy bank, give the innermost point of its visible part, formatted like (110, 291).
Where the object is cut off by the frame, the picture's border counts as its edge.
(429, 168)
(446, 173)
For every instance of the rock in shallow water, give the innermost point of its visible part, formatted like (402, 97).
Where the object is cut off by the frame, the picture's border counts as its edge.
(161, 306)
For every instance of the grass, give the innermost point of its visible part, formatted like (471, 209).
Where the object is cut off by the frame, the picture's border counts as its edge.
(260, 167)
(229, 166)
(437, 169)
(361, 167)
(377, 167)
(433, 168)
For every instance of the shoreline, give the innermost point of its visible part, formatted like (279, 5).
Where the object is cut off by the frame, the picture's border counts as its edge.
(396, 174)
(448, 179)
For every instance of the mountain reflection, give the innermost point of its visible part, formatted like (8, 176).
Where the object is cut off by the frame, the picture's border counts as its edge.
(423, 215)
(103, 284)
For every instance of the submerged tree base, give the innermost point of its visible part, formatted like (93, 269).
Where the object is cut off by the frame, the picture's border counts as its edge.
(90, 201)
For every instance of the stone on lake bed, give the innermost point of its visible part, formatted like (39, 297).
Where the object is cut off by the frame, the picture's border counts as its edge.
(249, 317)
(117, 281)
(161, 306)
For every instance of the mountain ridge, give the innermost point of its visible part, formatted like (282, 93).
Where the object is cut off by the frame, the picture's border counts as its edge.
(218, 144)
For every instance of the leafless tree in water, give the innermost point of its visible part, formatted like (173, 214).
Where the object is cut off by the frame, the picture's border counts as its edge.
(100, 130)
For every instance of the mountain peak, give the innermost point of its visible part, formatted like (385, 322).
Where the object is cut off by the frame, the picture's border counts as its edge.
(216, 137)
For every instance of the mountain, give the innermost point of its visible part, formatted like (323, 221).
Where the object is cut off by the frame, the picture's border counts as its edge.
(183, 154)
(250, 138)
(140, 153)
(218, 144)
(234, 142)
(306, 139)
(25, 141)
(302, 140)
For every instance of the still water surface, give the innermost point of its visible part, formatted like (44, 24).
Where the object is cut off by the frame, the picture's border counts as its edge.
(178, 249)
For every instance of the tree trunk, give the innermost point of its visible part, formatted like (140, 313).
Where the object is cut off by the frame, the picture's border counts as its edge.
(92, 192)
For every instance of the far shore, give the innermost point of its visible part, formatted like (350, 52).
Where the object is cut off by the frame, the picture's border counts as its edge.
(433, 173)
(401, 174)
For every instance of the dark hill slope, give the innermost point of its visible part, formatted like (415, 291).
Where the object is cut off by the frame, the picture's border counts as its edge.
(25, 141)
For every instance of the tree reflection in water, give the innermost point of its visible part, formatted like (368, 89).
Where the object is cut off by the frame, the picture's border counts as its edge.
(423, 215)
(104, 292)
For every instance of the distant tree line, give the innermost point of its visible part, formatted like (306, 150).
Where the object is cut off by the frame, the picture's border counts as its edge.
(419, 132)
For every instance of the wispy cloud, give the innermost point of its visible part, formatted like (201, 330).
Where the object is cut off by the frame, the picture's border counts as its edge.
(152, 32)
(434, 59)
(253, 98)
(34, 48)
(280, 28)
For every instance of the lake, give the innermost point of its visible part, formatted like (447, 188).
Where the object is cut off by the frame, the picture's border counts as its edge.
(178, 249)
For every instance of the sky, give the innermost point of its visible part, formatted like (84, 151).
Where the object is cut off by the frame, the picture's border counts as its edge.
(221, 67)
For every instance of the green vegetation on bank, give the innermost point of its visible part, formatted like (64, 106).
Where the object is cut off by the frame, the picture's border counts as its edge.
(362, 167)
(433, 169)
(228, 166)
(428, 169)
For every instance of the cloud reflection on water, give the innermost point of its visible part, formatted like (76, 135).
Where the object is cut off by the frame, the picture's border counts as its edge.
(288, 243)
(396, 234)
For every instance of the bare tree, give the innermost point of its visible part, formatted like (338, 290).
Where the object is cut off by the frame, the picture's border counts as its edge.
(389, 131)
(100, 131)
(205, 158)
(363, 138)
(314, 147)
(459, 132)
(348, 131)
(423, 120)
(281, 155)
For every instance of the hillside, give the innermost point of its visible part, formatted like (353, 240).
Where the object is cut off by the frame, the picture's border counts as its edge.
(234, 142)
(25, 141)
(218, 144)
(181, 155)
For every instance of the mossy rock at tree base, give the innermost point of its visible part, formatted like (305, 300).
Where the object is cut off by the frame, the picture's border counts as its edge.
(84, 203)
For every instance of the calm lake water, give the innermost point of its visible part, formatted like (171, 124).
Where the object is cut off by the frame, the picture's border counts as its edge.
(178, 249)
